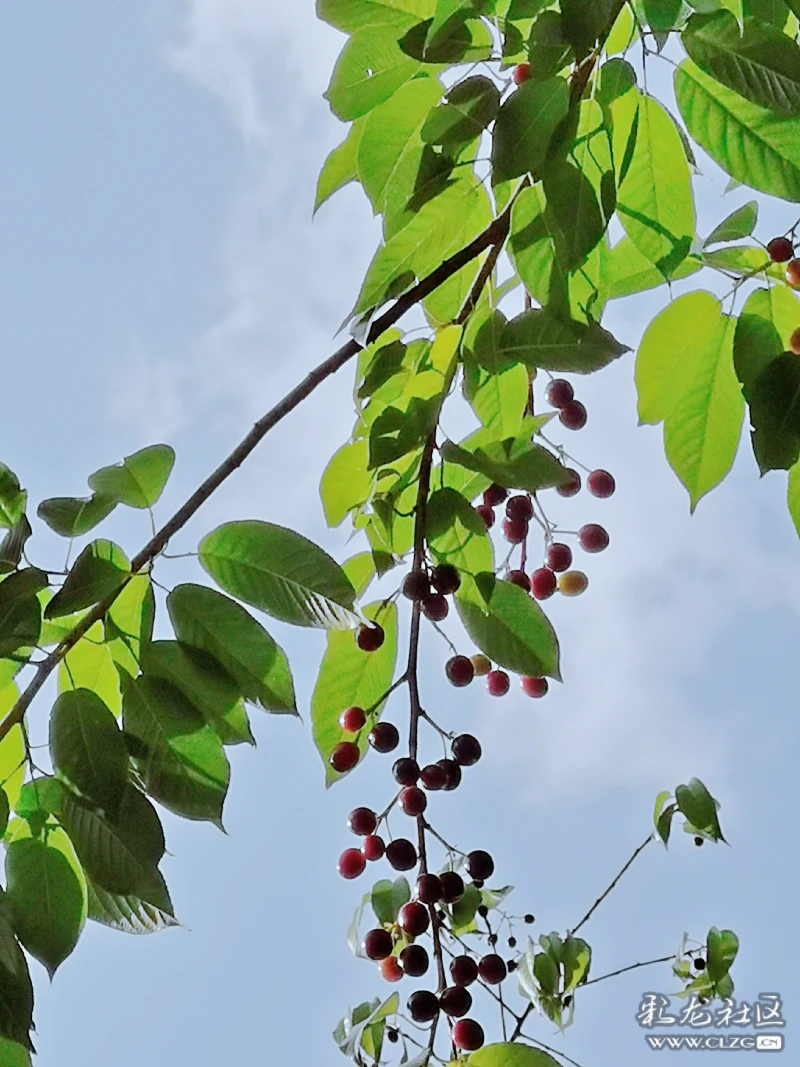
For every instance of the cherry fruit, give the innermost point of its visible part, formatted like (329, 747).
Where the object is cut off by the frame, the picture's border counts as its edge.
(362, 821)
(452, 774)
(794, 342)
(463, 970)
(423, 1006)
(780, 249)
(498, 683)
(370, 638)
(466, 750)
(433, 777)
(384, 737)
(481, 665)
(534, 687)
(468, 1035)
(793, 273)
(391, 971)
(559, 393)
(435, 607)
(378, 944)
(416, 585)
(492, 969)
(459, 671)
(515, 531)
(401, 854)
(413, 801)
(414, 918)
(601, 484)
(486, 514)
(543, 583)
(455, 1001)
(573, 416)
(414, 961)
(520, 507)
(593, 538)
(521, 579)
(559, 557)
(452, 886)
(406, 771)
(429, 889)
(480, 865)
(352, 720)
(373, 848)
(573, 583)
(446, 579)
(345, 756)
(522, 73)
(351, 863)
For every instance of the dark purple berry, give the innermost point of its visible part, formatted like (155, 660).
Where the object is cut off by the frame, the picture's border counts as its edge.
(480, 865)
(459, 671)
(414, 961)
(406, 771)
(452, 886)
(370, 638)
(413, 801)
(446, 579)
(362, 821)
(345, 756)
(401, 854)
(384, 737)
(456, 1001)
(378, 944)
(463, 970)
(492, 969)
(423, 1006)
(559, 393)
(466, 750)
(520, 507)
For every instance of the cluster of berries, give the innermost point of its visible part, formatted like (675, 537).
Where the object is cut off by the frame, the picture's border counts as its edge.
(461, 671)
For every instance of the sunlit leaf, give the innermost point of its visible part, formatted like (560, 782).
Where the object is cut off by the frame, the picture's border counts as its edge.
(139, 480)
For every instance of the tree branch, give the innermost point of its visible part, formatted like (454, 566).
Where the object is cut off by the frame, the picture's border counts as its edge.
(613, 885)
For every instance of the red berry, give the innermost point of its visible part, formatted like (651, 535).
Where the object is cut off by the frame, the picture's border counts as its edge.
(494, 496)
(433, 776)
(463, 970)
(534, 687)
(480, 865)
(515, 531)
(345, 756)
(466, 750)
(406, 771)
(384, 737)
(378, 944)
(391, 969)
(455, 1001)
(352, 720)
(413, 801)
(794, 342)
(414, 961)
(373, 848)
(593, 538)
(370, 638)
(452, 774)
(793, 273)
(573, 415)
(363, 821)
(460, 671)
(780, 249)
(468, 1035)
(446, 579)
(522, 73)
(435, 607)
(571, 487)
(559, 557)
(544, 583)
(521, 579)
(601, 484)
(492, 969)
(416, 585)
(498, 683)
(559, 393)
(520, 507)
(429, 889)
(414, 918)
(452, 886)
(423, 1006)
(486, 514)
(401, 854)
(351, 863)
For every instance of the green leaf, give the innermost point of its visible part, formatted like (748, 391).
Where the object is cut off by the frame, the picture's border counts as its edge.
(584, 23)
(456, 534)
(662, 15)
(90, 665)
(16, 998)
(139, 480)
(99, 570)
(360, 569)
(775, 414)
(12, 749)
(207, 620)
(121, 854)
(20, 611)
(763, 330)
(623, 34)
(340, 168)
(465, 910)
(508, 626)
(5, 811)
(654, 197)
(129, 914)
(280, 572)
(761, 63)
(511, 1055)
(793, 496)
(577, 958)
(631, 272)
(541, 339)
(87, 747)
(180, 758)
(13, 545)
(370, 69)
(549, 51)
(352, 15)
(753, 145)
(664, 822)
(721, 949)
(46, 901)
(671, 350)
(13, 1054)
(470, 107)
(389, 897)
(13, 499)
(206, 685)
(529, 467)
(72, 517)
(740, 223)
(546, 972)
(349, 677)
(578, 222)
(128, 626)
(696, 803)
(525, 125)
(390, 151)
(702, 432)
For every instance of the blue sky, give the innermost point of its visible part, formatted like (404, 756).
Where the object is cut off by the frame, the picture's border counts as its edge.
(162, 280)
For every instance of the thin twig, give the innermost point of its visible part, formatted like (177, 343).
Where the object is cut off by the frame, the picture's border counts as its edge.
(630, 967)
(613, 885)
